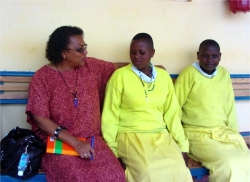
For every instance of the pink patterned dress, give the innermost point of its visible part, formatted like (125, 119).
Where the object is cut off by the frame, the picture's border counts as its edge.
(50, 97)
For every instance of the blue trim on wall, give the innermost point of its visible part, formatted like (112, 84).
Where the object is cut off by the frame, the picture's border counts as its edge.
(242, 97)
(240, 75)
(231, 75)
(16, 73)
(13, 101)
(245, 133)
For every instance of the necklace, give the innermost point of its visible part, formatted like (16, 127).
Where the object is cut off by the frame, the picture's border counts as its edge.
(75, 101)
(147, 90)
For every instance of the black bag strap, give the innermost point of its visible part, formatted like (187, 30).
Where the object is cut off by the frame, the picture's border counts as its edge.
(14, 133)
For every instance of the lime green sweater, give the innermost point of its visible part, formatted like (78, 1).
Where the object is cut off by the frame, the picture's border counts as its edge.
(206, 102)
(127, 110)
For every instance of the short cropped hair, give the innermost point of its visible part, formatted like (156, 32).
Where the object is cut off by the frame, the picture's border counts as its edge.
(146, 37)
(58, 41)
(209, 42)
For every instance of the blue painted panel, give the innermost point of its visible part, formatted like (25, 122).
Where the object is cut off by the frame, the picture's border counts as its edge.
(240, 75)
(16, 73)
(195, 172)
(37, 178)
(245, 133)
(242, 97)
(13, 101)
(199, 172)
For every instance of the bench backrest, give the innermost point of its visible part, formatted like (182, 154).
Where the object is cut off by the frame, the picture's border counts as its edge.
(14, 85)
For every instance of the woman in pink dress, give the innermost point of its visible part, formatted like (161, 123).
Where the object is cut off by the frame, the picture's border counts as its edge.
(65, 101)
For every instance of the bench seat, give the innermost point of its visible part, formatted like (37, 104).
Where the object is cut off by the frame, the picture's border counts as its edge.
(197, 171)
(14, 90)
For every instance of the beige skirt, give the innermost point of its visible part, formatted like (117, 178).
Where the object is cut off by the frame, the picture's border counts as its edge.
(152, 157)
(223, 151)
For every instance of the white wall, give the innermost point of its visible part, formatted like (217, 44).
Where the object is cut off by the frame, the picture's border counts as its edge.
(176, 27)
(243, 115)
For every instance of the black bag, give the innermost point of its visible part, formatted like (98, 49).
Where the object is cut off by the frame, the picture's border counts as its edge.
(13, 145)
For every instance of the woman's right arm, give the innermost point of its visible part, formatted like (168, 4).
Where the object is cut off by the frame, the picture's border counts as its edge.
(49, 127)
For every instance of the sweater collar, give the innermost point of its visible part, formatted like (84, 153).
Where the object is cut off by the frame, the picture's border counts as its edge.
(143, 76)
(197, 66)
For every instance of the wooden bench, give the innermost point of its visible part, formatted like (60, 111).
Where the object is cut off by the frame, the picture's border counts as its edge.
(14, 85)
(14, 90)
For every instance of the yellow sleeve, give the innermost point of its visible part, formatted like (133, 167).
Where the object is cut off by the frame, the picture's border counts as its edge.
(110, 114)
(172, 118)
(182, 86)
(231, 110)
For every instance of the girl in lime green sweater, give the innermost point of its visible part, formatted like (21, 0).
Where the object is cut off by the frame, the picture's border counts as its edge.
(140, 119)
(205, 94)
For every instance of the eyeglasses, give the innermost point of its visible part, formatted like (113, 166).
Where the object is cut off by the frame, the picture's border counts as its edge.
(80, 50)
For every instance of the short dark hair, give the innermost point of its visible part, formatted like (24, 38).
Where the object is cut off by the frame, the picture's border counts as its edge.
(209, 42)
(59, 41)
(144, 36)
